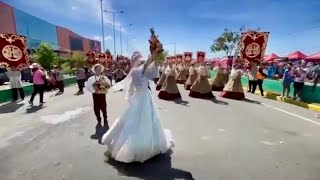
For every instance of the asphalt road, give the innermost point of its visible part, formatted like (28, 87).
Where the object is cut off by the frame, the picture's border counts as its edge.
(256, 139)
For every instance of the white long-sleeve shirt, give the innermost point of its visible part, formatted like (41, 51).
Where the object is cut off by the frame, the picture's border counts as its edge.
(94, 79)
(15, 79)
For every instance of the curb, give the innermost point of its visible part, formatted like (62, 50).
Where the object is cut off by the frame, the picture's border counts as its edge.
(277, 97)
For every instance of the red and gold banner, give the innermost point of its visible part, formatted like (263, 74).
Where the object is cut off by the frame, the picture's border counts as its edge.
(168, 59)
(173, 59)
(109, 59)
(121, 59)
(13, 49)
(201, 56)
(102, 58)
(253, 45)
(179, 58)
(187, 57)
(91, 57)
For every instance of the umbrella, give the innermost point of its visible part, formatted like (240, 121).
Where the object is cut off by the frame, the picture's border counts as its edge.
(271, 57)
(296, 55)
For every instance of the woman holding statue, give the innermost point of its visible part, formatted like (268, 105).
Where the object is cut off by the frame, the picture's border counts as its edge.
(137, 135)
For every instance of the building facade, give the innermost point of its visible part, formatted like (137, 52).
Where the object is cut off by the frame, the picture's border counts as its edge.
(15, 21)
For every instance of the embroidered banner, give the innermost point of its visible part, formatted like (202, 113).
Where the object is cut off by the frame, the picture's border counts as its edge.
(102, 58)
(173, 59)
(109, 59)
(252, 46)
(201, 56)
(13, 51)
(187, 57)
(179, 58)
(91, 57)
(169, 59)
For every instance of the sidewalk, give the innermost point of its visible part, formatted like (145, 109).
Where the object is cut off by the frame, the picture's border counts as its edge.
(6, 94)
(277, 97)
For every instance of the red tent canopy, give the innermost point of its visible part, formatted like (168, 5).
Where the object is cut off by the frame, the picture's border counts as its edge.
(226, 58)
(271, 57)
(314, 57)
(296, 55)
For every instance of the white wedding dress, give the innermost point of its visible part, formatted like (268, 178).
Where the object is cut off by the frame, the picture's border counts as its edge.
(137, 135)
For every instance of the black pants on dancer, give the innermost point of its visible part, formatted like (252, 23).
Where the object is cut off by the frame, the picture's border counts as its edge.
(80, 85)
(100, 104)
(37, 88)
(252, 86)
(16, 92)
(60, 86)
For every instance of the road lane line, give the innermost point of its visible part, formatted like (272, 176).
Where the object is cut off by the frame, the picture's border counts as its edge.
(292, 114)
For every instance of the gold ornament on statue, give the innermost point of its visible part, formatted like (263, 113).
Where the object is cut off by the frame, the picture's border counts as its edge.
(156, 47)
(101, 86)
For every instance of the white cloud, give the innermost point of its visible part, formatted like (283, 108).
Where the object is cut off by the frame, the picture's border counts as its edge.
(99, 38)
(73, 8)
(81, 10)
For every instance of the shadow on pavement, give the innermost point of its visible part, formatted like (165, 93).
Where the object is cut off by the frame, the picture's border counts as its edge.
(10, 107)
(181, 102)
(157, 168)
(219, 102)
(34, 109)
(100, 131)
(251, 101)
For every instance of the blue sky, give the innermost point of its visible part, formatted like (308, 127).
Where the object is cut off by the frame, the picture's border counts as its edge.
(191, 24)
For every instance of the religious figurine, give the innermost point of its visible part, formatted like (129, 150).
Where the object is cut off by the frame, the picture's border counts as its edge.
(156, 46)
(101, 86)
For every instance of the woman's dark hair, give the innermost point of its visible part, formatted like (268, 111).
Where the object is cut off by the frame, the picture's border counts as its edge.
(34, 69)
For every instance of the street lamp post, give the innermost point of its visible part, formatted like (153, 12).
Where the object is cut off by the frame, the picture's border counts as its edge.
(102, 24)
(174, 46)
(128, 45)
(114, 29)
(121, 35)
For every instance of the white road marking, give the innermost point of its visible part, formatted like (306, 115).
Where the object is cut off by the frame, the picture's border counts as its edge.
(292, 114)
(268, 143)
(30, 139)
(205, 138)
(5, 141)
(68, 115)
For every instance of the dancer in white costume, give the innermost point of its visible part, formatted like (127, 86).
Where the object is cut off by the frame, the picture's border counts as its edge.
(137, 135)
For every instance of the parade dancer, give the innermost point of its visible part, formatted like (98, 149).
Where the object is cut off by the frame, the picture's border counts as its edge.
(201, 87)
(39, 83)
(137, 135)
(108, 73)
(183, 73)
(191, 78)
(162, 78)
(98, 85)
(119, 74)
(233, 89)
(169, 89)
(218, 81)
(60, 79)
(81, 78)
(14, 76)
(252, 76)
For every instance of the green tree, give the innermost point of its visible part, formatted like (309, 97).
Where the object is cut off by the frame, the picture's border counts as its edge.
(45, 56)
(108, 52)
(59, 61)
(228, 41)
(76, 58)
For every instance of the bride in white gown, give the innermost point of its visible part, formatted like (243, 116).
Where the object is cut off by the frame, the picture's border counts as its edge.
(137, 135)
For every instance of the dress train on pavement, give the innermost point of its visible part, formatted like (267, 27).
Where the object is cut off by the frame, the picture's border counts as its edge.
(137, 135)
